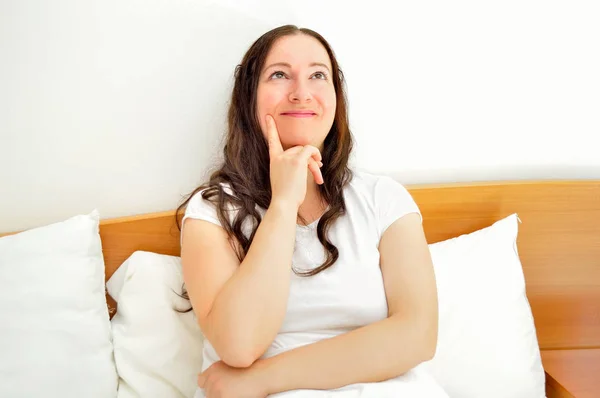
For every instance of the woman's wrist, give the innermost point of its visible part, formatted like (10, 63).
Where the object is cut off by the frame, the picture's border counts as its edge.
(283, 207)
(260, 373)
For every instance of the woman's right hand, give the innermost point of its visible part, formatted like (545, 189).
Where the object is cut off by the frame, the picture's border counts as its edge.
(289, 169)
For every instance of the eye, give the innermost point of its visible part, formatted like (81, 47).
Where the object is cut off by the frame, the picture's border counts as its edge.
(321, 75)
(278, 73)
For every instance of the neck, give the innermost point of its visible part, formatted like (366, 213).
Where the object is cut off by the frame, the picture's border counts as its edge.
(312, 189)
(313, 205)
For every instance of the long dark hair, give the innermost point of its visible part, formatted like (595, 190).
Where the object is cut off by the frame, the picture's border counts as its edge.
(246, 155)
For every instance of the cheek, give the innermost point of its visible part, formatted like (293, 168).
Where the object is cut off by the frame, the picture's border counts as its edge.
(328, 102)
(265, 104)
(268, 99)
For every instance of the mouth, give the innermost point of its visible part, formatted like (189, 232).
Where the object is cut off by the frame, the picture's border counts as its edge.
(299, 114)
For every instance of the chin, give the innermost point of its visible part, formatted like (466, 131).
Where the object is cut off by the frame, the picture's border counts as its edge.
(291, 140)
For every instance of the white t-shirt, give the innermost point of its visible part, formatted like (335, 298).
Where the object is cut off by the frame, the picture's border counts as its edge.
(345, 296)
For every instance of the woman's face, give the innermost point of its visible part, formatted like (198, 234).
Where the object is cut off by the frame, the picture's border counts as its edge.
(295, 87)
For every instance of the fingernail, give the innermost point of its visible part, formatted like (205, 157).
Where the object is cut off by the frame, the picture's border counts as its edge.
(320, 164)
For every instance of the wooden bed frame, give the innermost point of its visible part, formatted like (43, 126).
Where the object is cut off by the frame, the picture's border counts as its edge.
(559, 245)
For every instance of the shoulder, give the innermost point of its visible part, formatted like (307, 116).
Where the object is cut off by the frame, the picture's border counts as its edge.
(204, 209)
(387, 198)
(197, 200)
(377, 186)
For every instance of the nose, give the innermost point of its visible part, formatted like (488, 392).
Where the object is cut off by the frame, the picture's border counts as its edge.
(300, 92)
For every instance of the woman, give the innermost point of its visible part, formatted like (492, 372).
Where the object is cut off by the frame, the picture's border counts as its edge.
(308, 279)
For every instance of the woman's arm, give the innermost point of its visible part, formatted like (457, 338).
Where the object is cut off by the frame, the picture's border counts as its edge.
(384, 349)
(240, 307)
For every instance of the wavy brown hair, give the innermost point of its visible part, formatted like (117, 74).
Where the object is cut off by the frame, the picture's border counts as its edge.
(246, 163)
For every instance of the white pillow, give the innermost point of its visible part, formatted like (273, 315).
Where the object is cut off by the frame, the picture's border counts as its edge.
(55, 338)
(158, 351)
(487, 344)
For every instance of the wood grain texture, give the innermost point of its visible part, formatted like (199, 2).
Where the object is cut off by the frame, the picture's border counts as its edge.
(572, 373)
(559, 244)
(156, 232)
(555, 390)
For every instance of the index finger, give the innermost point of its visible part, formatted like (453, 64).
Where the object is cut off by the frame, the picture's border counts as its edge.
(275, 147)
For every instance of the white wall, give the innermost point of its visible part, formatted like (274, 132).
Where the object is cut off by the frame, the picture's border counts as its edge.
(120, 104)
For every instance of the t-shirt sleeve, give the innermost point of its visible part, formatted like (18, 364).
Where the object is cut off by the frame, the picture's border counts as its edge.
(393, 202)
(199, 208)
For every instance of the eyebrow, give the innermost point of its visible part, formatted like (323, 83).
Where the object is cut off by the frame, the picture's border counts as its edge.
(290, 66)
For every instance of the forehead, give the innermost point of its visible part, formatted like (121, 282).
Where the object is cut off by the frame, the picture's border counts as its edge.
(298, 50)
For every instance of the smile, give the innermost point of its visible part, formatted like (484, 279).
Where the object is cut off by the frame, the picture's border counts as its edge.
(292, 114)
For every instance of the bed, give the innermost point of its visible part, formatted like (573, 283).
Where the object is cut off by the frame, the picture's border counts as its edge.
(559, 245)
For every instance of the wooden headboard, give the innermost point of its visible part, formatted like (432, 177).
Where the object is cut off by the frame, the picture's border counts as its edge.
(559, 244)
